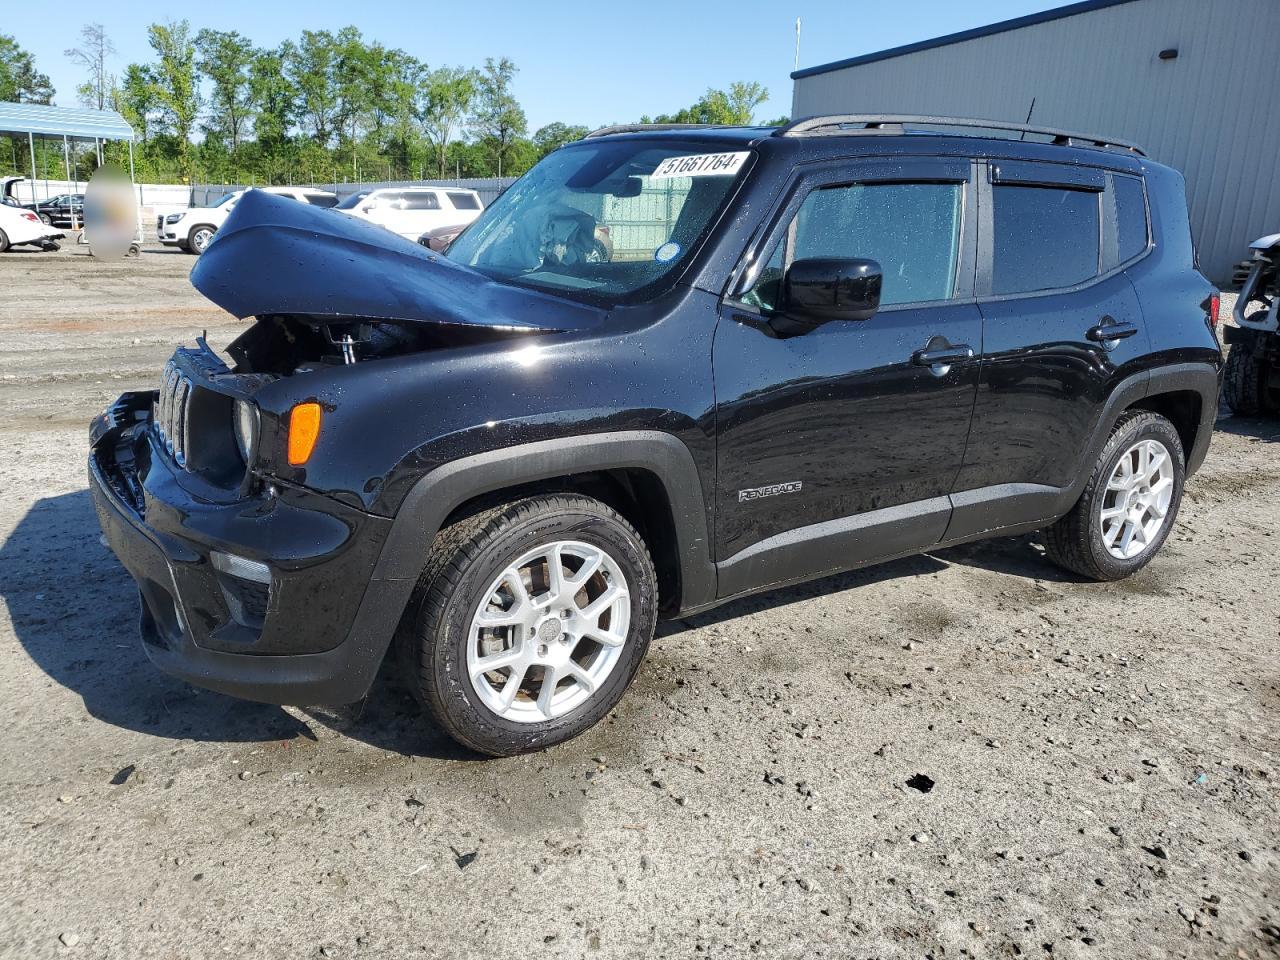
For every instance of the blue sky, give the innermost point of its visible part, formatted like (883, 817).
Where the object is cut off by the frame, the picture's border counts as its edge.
(591, 63)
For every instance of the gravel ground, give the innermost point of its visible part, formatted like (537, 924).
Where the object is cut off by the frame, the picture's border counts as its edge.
(966, 753)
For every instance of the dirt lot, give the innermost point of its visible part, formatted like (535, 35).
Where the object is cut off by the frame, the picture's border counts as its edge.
(1104, 761)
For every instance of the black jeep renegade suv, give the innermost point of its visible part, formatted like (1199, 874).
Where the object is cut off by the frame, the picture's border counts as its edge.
(666, 368)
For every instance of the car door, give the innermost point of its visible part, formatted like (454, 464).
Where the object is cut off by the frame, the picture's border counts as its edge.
(1061, 326)
(384, 207)
(422, 212)
(840, 445)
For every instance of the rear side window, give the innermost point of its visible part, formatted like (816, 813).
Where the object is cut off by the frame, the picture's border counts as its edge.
(1043, 238)
(463, 201)
(421, 201)
(1131, 218)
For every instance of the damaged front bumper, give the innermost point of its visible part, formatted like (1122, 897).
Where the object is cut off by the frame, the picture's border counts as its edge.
(267, 597)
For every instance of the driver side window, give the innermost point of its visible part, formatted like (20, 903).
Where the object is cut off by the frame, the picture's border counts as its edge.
(911, 229)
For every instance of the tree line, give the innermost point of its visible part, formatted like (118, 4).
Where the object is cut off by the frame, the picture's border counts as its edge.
(329, 106)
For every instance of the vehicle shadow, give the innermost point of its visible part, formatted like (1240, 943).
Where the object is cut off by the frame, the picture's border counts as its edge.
(1264, 429)
(74, 610)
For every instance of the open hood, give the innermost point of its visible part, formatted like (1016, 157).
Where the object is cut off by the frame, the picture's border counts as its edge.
(275, 255)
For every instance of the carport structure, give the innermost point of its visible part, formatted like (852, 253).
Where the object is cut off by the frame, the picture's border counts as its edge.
(70, 124)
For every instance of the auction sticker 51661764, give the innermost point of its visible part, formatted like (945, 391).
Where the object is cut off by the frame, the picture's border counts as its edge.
(700, 165)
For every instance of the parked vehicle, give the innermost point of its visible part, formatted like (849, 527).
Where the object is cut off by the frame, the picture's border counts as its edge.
(440, 238)
(1251, 384)
(414, 211)
(20, 226)
(193, 229)
(515, 457)
(64, 210)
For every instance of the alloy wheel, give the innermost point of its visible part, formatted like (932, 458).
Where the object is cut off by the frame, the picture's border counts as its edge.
(1136, 502)
(548, 631)
(201, 239)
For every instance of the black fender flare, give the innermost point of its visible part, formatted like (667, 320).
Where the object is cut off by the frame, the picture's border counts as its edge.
(1196, 377)
(438, 493)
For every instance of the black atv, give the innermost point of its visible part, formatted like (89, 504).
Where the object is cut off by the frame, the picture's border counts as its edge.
(1251, 381)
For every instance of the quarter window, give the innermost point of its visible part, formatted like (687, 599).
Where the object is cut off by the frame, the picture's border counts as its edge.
(911, 229)
(464, 201)
(1131, 218)
(1043, 238)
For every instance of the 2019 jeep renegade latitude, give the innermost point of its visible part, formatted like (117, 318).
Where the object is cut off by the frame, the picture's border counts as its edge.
(793, 352)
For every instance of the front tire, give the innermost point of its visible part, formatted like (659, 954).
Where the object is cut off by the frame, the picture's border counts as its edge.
(1129, 504)
(530, 621)
(199, 238)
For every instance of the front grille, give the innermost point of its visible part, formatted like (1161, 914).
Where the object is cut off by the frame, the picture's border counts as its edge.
(171, 417)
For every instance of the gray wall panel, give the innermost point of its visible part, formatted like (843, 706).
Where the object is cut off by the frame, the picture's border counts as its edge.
(1213, 113)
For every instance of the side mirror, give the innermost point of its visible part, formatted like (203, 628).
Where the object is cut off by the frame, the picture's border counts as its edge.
(368, 208)
(819, 289)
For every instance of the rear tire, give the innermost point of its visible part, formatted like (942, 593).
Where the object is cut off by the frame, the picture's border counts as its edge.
(1244, 380)
(4, 241)
(545, 633)
(1111, 532)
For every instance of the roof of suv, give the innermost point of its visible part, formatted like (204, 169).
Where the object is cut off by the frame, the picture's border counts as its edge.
(841, 135)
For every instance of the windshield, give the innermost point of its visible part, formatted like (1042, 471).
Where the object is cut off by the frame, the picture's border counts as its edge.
(604, 220)
(352, 201)
(226, 198)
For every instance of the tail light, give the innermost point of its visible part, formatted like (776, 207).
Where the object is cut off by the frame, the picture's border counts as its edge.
(1211, 305)
(32, 217)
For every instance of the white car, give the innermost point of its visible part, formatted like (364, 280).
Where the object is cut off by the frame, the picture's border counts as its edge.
(413, 211)
(19, 226)
(192, 229)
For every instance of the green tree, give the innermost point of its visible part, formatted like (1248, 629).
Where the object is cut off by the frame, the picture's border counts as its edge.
(499, 117)
(134, 98)
(174, 83)
(95, 47)
(20, 81)
(309, 66)
(743, 98)
(556, 135)
(734, 107)
(274, 98)
(225, 58)
(447, 95)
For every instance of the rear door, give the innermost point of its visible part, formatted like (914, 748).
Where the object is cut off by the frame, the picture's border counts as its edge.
(420, 212)
(1061, 326)
(840, 445)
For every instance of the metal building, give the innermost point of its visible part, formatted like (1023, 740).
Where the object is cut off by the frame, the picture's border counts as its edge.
(1195, 82)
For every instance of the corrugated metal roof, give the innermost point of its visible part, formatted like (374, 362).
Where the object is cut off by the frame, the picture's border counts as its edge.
(46, 121)
(1057, 13)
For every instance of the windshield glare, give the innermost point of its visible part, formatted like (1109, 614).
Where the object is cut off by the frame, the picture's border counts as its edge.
(594, 219)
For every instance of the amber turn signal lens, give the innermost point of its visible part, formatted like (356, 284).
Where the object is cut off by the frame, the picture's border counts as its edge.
(304, 430)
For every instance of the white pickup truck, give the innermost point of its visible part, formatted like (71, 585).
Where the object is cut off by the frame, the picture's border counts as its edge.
(192, 229)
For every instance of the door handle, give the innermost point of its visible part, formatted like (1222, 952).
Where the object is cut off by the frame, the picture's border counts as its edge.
(942, 356)
(1110, 330)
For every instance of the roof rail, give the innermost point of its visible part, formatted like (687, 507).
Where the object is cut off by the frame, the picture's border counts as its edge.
(642, 127)
(850, 124)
